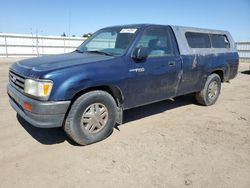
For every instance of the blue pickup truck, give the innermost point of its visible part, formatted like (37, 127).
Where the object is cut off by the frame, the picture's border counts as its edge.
(119, 68)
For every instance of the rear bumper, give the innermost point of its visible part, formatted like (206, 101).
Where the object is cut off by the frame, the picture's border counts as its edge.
(44, 114)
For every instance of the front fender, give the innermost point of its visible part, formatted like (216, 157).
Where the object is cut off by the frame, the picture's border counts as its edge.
(70, 81)
(67, 82)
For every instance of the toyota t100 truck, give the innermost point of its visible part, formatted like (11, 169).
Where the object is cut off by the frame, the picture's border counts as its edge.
(119, 68)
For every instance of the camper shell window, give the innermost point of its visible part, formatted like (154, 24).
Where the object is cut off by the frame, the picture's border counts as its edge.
(198, 40)
(219, 41)
(205, 40)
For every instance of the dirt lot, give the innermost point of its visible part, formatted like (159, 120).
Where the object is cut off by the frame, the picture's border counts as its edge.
(168, 144)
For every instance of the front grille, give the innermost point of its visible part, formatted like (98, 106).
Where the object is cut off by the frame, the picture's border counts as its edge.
(17, 80)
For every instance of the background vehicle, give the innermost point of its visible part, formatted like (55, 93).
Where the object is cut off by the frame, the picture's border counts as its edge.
(119, 68)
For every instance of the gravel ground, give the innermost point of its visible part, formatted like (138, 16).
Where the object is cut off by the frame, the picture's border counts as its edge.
(167, 144)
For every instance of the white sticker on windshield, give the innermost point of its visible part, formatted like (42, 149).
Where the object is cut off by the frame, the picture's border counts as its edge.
(128, 30)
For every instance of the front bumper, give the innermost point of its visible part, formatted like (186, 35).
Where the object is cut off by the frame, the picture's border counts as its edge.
(44, 114)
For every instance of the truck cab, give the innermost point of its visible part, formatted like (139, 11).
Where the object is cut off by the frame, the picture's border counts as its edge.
(119, 68)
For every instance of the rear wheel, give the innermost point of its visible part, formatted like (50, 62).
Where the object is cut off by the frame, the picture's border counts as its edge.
(91, 117)
(211, 91)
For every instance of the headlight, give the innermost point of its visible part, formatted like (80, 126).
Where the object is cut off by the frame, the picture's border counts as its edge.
(38, 88)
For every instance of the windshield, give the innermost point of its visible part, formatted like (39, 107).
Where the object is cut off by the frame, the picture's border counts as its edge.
(109, 41)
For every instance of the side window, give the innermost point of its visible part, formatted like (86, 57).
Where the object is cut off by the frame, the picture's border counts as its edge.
(219, 41)
(157, 41)
(198, 40)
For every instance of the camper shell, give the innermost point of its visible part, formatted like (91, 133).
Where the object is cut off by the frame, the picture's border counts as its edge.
(185, 49)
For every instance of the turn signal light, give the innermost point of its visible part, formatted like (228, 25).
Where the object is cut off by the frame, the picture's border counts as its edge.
(27, 106)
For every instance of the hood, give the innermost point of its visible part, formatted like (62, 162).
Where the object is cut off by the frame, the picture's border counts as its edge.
(54, 62)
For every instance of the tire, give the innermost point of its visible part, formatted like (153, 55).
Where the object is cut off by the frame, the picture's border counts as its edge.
(94, 109)
(211, 91)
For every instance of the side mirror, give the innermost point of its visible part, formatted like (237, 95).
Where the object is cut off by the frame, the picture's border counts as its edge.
(140, 54)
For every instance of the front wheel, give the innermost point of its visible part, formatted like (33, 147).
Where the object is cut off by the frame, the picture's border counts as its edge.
(211, 91)
(91, 117)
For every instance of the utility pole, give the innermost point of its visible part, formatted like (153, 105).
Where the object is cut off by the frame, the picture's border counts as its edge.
(37, 43)
(69, 25)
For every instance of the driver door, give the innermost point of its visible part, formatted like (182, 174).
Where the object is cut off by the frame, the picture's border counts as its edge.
(156, 77)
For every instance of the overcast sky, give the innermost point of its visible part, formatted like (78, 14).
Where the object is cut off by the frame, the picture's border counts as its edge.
(53, 17)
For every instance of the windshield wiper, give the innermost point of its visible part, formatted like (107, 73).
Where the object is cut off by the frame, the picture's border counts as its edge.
(101, 52)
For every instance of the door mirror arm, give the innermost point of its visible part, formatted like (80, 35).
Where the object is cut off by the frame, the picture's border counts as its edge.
(140, 54)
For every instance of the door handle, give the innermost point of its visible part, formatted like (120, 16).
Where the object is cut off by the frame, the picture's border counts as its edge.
(171, 63)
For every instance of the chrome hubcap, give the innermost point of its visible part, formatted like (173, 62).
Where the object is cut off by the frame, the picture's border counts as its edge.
(212, 90)
(94, 118)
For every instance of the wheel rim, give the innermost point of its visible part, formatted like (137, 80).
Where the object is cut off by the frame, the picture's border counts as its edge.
(212, 90)
(94, 117)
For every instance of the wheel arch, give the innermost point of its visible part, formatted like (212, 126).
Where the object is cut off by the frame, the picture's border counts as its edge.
(114, 91)
(220, 72)
(223, 72)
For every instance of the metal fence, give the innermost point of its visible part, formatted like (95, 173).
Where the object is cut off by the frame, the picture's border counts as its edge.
(244, 50)
(17, 45)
